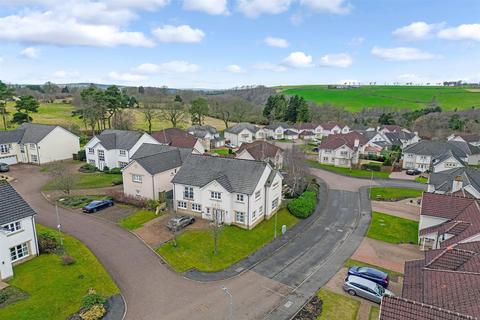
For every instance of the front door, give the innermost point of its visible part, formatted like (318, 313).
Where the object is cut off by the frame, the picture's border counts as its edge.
(218, 215)
(23, 154)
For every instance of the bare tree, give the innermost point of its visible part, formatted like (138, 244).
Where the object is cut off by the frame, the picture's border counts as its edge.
(149, 113)
(296, 170)
(63, 178)
(174, 112)
(216, 226)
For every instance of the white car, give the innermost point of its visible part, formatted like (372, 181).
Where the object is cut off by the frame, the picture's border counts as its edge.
(356, 286)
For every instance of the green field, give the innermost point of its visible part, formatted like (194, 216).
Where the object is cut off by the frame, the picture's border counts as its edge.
(397, 97)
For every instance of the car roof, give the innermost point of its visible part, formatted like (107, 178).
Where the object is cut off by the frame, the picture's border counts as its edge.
(373, 271)
(362, 281)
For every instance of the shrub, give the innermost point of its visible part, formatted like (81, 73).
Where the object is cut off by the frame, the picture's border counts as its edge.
(117, 182)
(81, 155)
(91, 299)
(68, 260)
(88, 168)
(372, 166)
(303, 206)
(151, 205)
(106, 169)
(121, 197)
(114, 171)
(96, 312)
(47, 243)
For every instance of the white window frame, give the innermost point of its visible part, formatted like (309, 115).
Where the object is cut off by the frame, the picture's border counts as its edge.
(188, 193)
(101, 155)
(240, 217)
(123, 153)
(196, 207)
(240, 197)
(19, 252)
(91, 161)
(258, 195)
(122, 164)
(32, 146)
(91, 151)
(34, 158)
(275, 203)
(5, 148)
(182, 204)
(13, 226)
(215, 195)
(137, 178)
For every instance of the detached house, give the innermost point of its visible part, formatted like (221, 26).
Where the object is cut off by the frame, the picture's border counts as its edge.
(261, 151)
(472, 138)
(18, 240)
(234, 191)
(331, 127)
(114, 148)
(152, 169)
(244, 133)
(176, 137)
(342, 150)
(37, 144)
(309, 131)
(277, 131)
(463, 181)
(208, 136)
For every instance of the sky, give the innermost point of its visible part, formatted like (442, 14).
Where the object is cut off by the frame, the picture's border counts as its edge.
(216, 44)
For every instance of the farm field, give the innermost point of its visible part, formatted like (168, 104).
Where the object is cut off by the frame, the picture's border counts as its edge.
(396, 97)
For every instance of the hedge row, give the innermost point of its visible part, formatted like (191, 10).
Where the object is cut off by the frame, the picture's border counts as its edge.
(303, 206)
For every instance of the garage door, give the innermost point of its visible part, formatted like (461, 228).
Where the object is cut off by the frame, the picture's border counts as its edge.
(9, 160)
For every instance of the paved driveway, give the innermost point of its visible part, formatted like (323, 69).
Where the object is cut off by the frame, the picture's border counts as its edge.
(151, 290)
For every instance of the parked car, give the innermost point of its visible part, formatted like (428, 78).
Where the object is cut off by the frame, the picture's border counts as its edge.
(97, 205)
(372, 274)
(356, 286)
(413, 172)
(4, 167)
(230, 146)
(179, 222)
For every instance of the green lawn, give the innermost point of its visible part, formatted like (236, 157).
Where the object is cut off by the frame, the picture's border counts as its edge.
(222, 152)
(357, 173)
(137, 219)
(90, 181)
(374, 313)
(195, 247)
(55, 290)
(393, 194)
(422, 180)
(392, 229)
(397, 97)
(392, 274)
(337, 306)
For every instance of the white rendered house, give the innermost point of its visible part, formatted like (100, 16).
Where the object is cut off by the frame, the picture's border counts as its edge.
(244, 133)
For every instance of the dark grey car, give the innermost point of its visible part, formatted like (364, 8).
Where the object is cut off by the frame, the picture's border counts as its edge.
(4, 167)
(356, 286)
(179, 222)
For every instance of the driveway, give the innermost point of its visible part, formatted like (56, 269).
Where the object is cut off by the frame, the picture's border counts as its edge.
(151, 290)
(408, 208)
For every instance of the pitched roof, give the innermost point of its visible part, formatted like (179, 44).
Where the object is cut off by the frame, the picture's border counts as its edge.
(306, 126)
(175, 137)
(202, 131)
(12, 206)
(397, 137)
(274, 126)
(397, 308)
(330, 125)
(239, 127)
(443, 181)
(391, 127)
(159, 158)
(119, 139)
(26, 133)
(444, 206)
(260, 150)
(438, 148)
(235, 175)
(289, 132)
(13, 136)
(335, 141)
(469, 137)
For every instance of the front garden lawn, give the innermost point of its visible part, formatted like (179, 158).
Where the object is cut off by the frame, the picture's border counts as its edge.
(90, 181)
(421, 180)
(357, 173)
(393, 194)
(392, 229)
(394, 275)
(222, 152)
(195, 247)
(137, 219)
(56, 291)
(337, 306)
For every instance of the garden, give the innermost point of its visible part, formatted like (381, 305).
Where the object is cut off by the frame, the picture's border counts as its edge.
(350, 172)
(393, 194)
(392, 229)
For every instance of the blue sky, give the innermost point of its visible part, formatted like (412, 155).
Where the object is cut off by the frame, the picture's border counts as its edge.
(227, 43)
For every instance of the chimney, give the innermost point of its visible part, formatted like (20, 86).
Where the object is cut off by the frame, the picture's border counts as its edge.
(457, 184)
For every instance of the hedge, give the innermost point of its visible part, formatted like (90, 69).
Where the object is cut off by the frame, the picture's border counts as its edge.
(303, 206)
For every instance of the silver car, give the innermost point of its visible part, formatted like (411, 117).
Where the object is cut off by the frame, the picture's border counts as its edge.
(356, 286)
(179, 222)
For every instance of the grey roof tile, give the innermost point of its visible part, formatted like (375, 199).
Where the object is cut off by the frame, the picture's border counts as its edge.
(119, 139)
(12, 206)
(239, 127)
(159, 158)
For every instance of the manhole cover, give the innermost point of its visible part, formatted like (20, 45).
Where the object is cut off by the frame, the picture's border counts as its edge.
(288, 304)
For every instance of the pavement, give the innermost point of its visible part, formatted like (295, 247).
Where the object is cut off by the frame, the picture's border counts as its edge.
(408, 208)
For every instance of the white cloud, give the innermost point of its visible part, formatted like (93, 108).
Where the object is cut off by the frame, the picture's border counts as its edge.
(50, 28)
(331, 6)
(267, 66)
(175, 66)
(461, 32)
(141, 4)
(215, 7)
(298, 59)
(30, 53)
(255, 8)
(416, 31)
(340, 60)
(62, 74)
(402, 54)
(183, 34)
(125, 77)
(276, 42)
(134, 4)
(357, 41)
(234, 68)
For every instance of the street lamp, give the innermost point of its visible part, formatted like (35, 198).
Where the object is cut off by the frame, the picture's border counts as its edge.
(225, 289)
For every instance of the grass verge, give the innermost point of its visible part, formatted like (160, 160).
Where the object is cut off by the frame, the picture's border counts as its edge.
(357, 173)
(56, 290)
(337, 306)
(374, 313)
(421, 180)
(89, 181)
(393, 194)
(195, 247)
(392, 229)
(137, 219)
(394, 275)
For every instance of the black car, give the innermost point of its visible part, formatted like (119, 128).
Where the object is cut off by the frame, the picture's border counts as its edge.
(4, 167)
(97, 205)
(179, 222)
(371, 274)
(413, 172)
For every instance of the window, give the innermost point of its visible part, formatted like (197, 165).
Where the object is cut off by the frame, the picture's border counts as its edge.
(254, 214)
(182, 205)
(275, 203)
(325, 158)
(101, 155)
(92, 162)
(19, 252)
(188, 193)
(215, 195)
(137, 178)
(260, 210)
(257, 195)
(240, 217)
(34, 158)
(240, 198)
(14, 226)
(91, 151)
(32, 146)
(123, 153)
(344, 153)
(4, 148)
(122, 164)
(196, 207)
